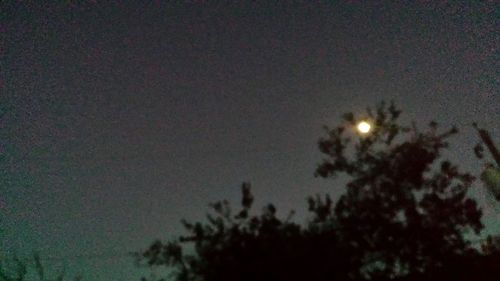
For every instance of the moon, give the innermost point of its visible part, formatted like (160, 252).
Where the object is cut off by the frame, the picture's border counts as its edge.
(364, 127)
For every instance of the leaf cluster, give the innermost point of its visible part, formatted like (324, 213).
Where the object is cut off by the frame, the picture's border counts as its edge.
(242, 246)
(402, 217)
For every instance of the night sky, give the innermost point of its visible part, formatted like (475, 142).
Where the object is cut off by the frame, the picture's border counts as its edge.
(119, 118)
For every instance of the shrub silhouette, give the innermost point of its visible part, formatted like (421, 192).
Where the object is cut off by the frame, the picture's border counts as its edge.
(17, 270)
(403, 217)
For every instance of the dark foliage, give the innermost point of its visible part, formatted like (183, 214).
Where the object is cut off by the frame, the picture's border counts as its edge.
(403, 214)
(18, 270)
(403, 217)
(263, 247)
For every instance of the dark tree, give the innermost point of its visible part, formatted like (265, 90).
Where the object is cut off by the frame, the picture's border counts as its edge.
(260, 247)
(405, 210)
(403, 217)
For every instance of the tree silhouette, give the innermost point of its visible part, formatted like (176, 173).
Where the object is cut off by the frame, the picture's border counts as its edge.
(403, 217)
(18, 270)
(405, 210)
(491, 174)
(259, 247)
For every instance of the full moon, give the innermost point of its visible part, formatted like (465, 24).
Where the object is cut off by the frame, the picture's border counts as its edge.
(364, 127)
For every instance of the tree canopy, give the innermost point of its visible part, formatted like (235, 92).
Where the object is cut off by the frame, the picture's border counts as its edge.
(403, 216)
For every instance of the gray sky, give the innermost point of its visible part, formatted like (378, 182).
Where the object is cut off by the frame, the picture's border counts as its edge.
(120, 118)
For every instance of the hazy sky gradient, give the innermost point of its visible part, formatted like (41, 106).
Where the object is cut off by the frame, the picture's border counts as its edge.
(120, 118)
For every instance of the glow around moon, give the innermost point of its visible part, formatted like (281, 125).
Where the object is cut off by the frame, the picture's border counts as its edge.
(364, 127)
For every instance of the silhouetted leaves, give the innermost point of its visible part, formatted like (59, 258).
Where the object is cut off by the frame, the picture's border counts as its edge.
(22, 270)
(479, 151)
(402, 217)
(247, 200)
